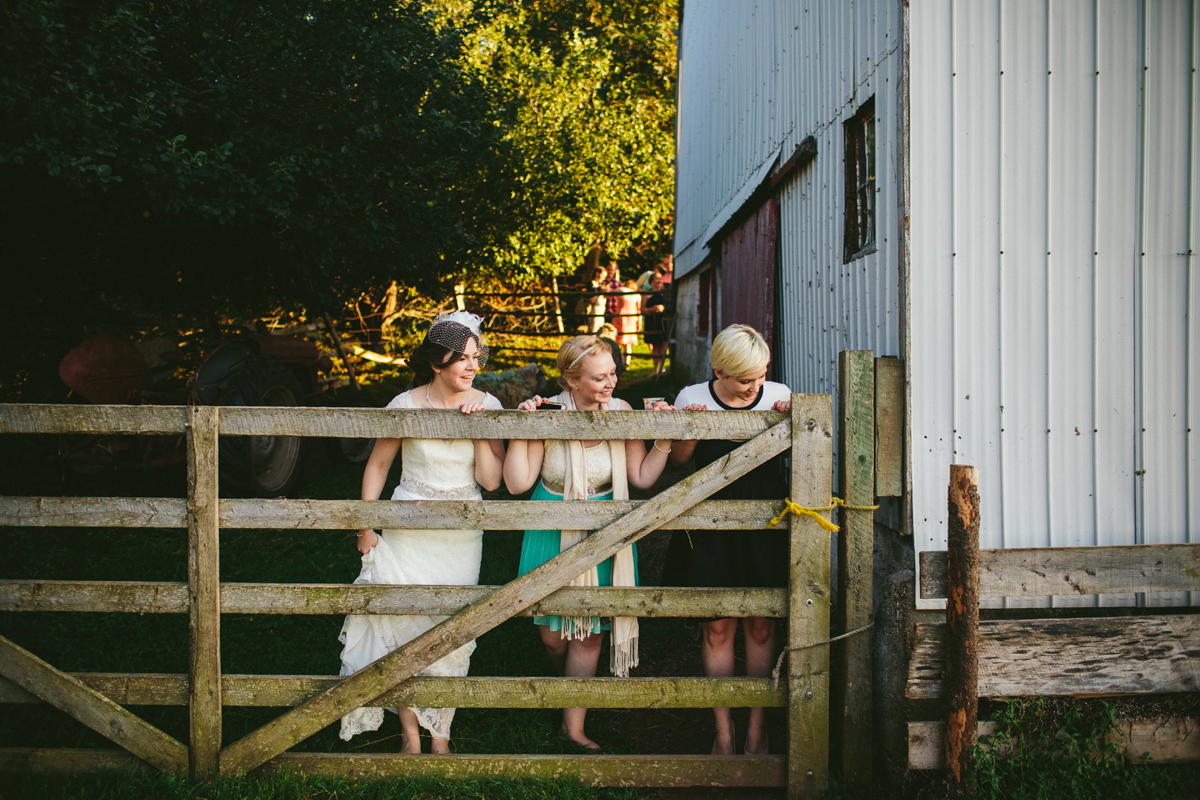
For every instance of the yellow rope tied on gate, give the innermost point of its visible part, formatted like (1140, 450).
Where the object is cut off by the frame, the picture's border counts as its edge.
(814, 511)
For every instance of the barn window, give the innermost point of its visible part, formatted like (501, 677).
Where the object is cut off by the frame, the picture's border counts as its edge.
(704, 304)
(860, 183)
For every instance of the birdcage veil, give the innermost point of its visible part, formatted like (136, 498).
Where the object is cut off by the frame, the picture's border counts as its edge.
(453, 330)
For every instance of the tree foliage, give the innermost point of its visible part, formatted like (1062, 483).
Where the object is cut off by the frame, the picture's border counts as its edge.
(169, 162)
(209, 155)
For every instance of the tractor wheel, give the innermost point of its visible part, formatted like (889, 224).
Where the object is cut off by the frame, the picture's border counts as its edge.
(260, 466)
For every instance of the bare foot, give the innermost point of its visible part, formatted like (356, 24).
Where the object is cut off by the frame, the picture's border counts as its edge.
(439, 747)
(410, 744)
(580, 739)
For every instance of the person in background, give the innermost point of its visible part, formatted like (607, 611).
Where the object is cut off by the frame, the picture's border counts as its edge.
(740, 360)
(628, 320)
(653, 324)
(612, 283)
(589, 470)
(644, 280)
(591, 304)
(444, 367)
(608, 332)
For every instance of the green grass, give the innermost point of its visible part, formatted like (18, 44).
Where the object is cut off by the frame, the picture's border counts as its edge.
(114, 785)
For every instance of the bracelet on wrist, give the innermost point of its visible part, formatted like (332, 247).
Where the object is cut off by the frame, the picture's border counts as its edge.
(659, 449)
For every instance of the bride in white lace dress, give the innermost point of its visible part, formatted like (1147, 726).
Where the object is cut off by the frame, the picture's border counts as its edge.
(432, 469)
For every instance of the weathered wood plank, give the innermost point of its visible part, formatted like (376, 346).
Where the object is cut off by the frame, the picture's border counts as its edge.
(94, 710)
(1068, 657)
(646, 771)
(379, 422)
(889, 427)
(52, 760)
(961, 683)
(93, 512)
(204, 593)
(431, 692)
(51, 418)
(808, 599)
(345, 515)
(1168, 740)
(489, 515)
(275, 598)
(372, 681)
(856, 562)
(1041, 571)
(426, 424)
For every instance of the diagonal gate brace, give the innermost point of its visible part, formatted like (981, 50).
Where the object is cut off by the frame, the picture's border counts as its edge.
(472, 622)
(92, 709)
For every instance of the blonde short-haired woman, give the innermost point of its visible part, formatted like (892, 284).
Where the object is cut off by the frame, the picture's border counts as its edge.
(740, 359)
(589, 470)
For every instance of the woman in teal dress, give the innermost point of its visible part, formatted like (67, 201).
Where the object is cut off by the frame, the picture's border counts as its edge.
(588, 470)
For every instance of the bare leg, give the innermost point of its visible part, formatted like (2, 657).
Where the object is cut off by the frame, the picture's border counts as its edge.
(410, 736)
(716, 651)
(760, 659)
(556, 648)
(575, 658)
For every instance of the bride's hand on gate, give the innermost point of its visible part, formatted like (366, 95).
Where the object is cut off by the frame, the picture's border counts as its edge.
(367, 539)
(471, 408)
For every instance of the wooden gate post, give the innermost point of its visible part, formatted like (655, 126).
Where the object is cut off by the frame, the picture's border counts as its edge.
(962, 618)
(204, 594)
(856, 563)
(808, 599)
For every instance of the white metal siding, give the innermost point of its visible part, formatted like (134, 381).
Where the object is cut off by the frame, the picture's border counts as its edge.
(756, 78)
(1051, 296)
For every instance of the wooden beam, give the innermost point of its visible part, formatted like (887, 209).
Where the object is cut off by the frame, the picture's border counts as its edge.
(427, 424)
(434, 692)
(856, 564)
(889, 427)
(604, 770)
(60, 760)
(94, 710)
(345, 515)
(391, 670)
(808, 599)
(341, 598)
(488, 515)
(962, 627)
(1166, 740)
(93, 512)
(1041, 571)
(1068, 657)
(54, 418)
(204, 593)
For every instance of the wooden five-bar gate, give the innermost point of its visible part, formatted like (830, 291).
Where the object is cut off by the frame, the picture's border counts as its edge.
(98, 700)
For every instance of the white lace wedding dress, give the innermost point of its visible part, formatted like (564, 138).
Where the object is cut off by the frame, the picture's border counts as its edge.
(432, 469)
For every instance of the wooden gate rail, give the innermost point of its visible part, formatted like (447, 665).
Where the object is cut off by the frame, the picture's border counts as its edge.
(806, 430)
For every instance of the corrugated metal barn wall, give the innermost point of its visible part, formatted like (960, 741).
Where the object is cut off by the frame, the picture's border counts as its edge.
(756, 78)
(1052, 300)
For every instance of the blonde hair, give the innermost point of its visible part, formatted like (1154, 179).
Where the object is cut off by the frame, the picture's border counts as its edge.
(571, 354)
(739, 350)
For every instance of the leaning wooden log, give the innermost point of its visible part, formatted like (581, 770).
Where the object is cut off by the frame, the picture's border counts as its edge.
(962, 623)
(92, 709)
(372, 681)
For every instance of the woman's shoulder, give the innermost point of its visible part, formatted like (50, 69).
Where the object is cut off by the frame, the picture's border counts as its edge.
(402, 400)
(491, 403)
(696, 393)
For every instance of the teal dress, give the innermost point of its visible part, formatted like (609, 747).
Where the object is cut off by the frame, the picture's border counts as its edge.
(538, 547)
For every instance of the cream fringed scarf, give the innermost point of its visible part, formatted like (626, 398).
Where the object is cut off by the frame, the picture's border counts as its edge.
(624, 649)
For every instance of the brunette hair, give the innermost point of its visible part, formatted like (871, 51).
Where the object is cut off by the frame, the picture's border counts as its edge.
(430, 354)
